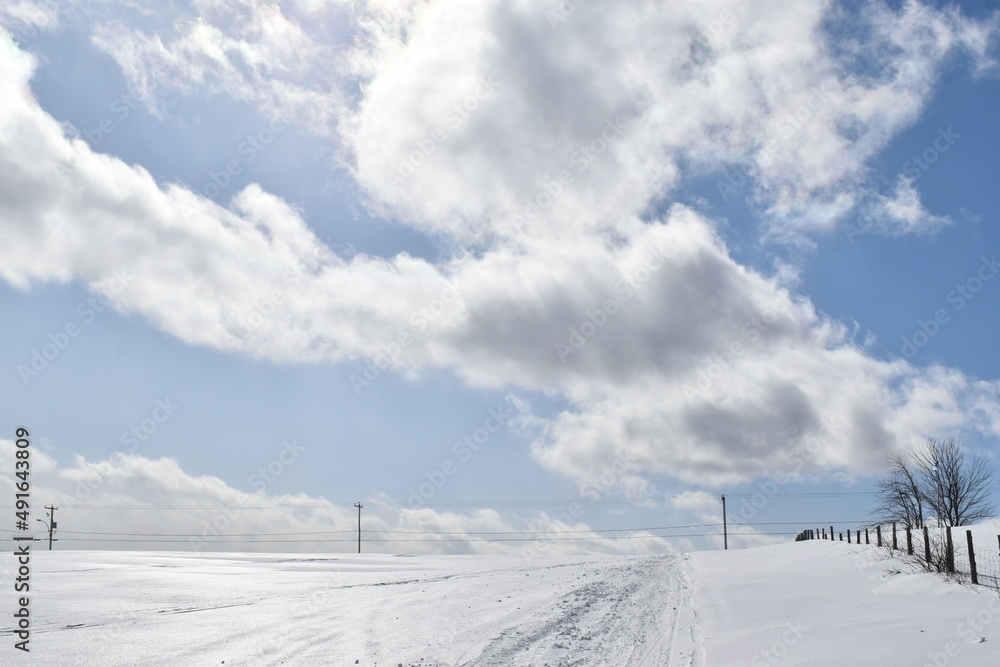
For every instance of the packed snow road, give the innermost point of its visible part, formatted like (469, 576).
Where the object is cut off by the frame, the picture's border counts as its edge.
(618, 613)
(108, 608)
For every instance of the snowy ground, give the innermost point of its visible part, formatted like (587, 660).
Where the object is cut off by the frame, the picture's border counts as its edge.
(798, 603)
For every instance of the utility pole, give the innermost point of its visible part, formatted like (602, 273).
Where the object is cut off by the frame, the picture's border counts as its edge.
(51, 523)
(359, 506)
(725, 527)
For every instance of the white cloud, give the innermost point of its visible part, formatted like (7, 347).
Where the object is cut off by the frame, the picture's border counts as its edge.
(624, 98)
(697, 86)
(131, 502)
(902, 212)
(252, 52)
(26, 18)
(672, 355)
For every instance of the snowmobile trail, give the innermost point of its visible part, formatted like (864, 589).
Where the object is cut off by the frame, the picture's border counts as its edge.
(625, 614)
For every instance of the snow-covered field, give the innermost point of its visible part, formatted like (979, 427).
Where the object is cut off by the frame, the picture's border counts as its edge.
(815, 603)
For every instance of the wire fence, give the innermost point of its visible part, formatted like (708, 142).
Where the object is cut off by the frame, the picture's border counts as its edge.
(969, 555)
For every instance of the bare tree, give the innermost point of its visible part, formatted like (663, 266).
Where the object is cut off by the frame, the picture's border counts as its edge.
(899, 495)
(954, 487)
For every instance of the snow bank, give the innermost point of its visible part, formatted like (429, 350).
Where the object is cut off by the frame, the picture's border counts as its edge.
(830, 603)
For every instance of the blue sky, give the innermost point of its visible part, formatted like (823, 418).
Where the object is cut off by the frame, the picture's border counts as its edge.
(227, 176)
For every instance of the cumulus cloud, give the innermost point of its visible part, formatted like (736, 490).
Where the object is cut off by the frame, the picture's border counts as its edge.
(765, 89)
(621, 101)
(550, 149)
(139, 503)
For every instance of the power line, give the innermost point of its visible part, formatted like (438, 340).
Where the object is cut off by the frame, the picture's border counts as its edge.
(411, 532)
(470, 503)
(351, 540)
(188, 507)
(458, 532)
(316, 532)
(798, 523)
(113, 536)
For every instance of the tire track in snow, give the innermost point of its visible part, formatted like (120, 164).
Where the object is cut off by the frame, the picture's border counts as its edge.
(624, 616)
(677, 647)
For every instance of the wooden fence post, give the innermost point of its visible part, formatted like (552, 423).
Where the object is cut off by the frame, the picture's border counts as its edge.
(972, 558)
(927, 546)
(867, 541)
(909, 542)
(841, 537)
(951, 551)
(878, 535)
(894, 546)
(831, 534)
(848, 535)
